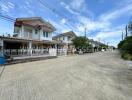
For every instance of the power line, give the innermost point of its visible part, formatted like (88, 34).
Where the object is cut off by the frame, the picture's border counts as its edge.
(43, 3)
(53, 11)
(6, 17)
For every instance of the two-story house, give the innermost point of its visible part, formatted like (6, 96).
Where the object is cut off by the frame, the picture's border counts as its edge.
(33, 28)
(32, 36)
(66, 39)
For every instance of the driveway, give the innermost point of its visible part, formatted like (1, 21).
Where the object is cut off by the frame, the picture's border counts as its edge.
(97, 76)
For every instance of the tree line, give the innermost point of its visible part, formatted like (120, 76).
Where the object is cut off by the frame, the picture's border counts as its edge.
(84, 44)
(125, 48)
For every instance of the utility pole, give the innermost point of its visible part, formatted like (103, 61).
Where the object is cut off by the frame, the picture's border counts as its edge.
(108, 45)
(99, 39)
(122, 36)
(126, 31)
(130, 26)
(104, 41)
(85, 32)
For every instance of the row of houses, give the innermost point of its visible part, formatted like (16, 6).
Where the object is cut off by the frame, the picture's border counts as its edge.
(35, 36)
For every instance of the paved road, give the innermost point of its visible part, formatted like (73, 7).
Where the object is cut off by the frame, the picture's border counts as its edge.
(98, 76)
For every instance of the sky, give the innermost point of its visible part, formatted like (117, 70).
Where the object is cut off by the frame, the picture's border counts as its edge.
(104, 20)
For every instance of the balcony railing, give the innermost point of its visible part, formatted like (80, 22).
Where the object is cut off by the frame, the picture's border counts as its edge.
(40, 51)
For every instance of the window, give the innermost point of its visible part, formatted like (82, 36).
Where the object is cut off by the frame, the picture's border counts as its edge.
(17, 30)
(45, 34)
(69, 38)
(63, 38)
(36, 31)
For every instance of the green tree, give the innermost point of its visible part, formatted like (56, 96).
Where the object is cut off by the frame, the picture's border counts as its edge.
(81, 42)
(120, 45)
(125, 47)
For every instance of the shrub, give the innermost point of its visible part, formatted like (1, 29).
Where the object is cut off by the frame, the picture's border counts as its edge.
(126, 56)
(125, 47)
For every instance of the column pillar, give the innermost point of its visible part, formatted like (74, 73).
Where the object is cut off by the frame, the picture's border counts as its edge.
(22, 32)
(55, 46)
(30, 48)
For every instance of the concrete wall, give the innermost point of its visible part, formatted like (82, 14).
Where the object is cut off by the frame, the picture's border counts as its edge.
(52, 52)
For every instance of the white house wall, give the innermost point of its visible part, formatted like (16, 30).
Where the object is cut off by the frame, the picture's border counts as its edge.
(64, 39)
(20, 32)
(34, 35)
(130, 33)
(24, 33)
(45, 38)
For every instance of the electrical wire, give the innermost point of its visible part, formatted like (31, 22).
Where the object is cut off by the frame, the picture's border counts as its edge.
(42, 2)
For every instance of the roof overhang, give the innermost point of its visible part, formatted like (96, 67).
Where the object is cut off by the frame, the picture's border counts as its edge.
(35, 22)
(15, 39)
(70, 33)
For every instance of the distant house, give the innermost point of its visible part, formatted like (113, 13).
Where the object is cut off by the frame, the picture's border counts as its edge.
(96, 45)
(66, 39)
(32, 36)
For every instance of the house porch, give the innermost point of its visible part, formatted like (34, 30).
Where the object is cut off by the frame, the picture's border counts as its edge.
(22, 48)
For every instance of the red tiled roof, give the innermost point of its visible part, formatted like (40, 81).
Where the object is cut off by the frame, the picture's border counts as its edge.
(34, 22)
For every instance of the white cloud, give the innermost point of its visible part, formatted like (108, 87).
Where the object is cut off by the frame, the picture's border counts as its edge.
(68, 8)
(112, 35)
(7, 7)
(108, 34)
(11, 5)
(104, 24)
(114, 14)
(4, 8)
(63, 21)
(78, 4)
(59, 26)
(28, 8)
(65, 30)
(76, 7)
(91, 25)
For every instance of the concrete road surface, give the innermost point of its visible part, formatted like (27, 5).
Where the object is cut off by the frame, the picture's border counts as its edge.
(97, 76)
